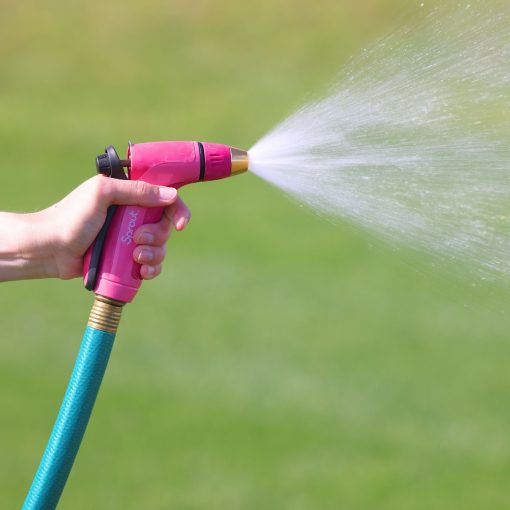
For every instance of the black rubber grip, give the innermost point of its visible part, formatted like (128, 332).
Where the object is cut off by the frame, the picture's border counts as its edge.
(97, 250)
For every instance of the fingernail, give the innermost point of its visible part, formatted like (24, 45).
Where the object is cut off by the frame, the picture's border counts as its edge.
(182, 223)
(150, 270)
(146, 238)
(167, 194)
(145, 256)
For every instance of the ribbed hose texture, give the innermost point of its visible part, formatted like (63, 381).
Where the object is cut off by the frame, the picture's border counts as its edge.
(72, 420)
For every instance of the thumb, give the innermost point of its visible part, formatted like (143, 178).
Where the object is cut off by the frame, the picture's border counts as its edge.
(118, 192)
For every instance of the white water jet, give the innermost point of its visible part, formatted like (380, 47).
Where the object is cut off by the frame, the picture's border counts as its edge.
(413, 139)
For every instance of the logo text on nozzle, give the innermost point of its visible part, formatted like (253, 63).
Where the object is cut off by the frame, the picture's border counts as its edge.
(128, 237)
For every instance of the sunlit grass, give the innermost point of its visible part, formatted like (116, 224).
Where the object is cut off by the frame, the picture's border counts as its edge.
(280, 362)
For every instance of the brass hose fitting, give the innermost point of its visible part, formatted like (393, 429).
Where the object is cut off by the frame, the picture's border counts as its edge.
(105, 314)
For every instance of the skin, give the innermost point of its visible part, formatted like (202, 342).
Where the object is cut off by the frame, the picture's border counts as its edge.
(51, 243)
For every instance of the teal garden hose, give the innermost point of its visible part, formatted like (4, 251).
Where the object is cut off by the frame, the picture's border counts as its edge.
(77, 405)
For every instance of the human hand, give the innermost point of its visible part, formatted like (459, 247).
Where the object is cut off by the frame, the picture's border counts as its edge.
(52, 242)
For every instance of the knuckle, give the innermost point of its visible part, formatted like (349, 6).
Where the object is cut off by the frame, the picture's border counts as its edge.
(164, 235)
(99, 188)
(168, 214)
(141, 188)
(159, 254)
(96, 183)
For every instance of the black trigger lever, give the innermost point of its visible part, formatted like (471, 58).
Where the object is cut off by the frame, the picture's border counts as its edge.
(110, 165)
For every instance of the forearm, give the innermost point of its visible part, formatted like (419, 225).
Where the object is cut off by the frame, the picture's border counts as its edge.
(25, 248)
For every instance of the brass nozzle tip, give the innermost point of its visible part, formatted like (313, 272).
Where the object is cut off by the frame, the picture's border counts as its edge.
(239, 161)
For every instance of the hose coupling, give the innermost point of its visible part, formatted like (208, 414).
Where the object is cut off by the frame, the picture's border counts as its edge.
(105, 314)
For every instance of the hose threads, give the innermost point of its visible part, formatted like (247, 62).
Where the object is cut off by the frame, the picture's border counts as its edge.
(105, 314)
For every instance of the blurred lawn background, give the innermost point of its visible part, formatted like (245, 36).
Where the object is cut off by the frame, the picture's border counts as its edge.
(280, 362)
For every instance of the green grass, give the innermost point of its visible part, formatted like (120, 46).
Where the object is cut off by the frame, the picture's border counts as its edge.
(280, 362)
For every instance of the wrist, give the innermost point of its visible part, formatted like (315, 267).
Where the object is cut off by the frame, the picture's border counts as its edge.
(27, 247)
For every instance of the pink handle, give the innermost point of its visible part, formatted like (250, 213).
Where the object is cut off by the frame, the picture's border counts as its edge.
(120, 274)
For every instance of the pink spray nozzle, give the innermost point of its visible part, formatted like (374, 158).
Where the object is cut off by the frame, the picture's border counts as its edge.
(109, 268)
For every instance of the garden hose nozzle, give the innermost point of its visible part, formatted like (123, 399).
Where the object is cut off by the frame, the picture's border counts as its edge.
(109, 269)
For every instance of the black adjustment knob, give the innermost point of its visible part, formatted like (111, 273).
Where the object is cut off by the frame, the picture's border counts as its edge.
(110, 164)
(103, 165)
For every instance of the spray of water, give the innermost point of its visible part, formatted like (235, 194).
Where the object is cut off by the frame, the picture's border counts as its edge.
(413, 139)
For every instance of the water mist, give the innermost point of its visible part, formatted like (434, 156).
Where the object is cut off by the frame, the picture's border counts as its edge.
(413, 139)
